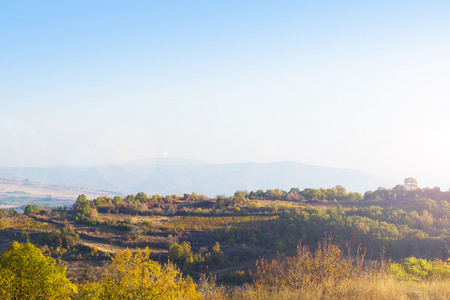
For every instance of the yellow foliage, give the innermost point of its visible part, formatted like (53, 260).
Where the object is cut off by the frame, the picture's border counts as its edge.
(25, 273)
(24, 222)
(135, 276)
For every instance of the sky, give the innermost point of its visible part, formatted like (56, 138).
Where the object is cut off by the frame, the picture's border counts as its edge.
(348, 84)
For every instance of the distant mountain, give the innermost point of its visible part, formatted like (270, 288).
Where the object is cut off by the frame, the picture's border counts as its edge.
(166, 161)
(176, 176)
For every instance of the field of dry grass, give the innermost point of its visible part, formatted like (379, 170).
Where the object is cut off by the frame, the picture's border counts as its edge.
(370, 289)
(134, 219)
(40, 192)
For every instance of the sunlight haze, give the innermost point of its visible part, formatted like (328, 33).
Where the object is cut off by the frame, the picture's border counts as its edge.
(345, 84)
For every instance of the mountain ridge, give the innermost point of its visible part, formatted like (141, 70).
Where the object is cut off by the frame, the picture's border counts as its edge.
(167, 177)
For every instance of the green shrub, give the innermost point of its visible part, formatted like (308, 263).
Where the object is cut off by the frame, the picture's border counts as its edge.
(416, 269)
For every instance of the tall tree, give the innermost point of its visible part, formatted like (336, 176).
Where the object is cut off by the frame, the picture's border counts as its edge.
(411, 184)
(25, 273)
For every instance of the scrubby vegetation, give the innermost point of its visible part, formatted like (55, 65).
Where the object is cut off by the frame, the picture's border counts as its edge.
(388, 243)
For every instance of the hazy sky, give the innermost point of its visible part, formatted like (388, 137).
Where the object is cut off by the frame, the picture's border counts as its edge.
(348, 84)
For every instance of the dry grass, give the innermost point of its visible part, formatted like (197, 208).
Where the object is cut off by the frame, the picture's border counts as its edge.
(32, 189)
(156, 220)
(387, 288)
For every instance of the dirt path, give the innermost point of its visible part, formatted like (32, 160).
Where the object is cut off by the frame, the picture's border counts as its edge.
(108, 248)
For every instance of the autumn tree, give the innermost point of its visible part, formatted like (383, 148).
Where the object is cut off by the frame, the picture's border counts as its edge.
(25, 273)
(129, 199)
(411, 184)
(136, 276)
(176, 252)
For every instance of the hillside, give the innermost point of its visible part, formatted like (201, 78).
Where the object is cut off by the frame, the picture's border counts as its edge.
(252, 243)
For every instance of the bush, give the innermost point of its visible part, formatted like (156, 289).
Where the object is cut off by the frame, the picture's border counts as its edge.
(306, 268)
(416, 269)
(88, 272)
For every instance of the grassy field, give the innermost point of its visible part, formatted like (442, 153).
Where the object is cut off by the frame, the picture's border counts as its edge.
(371, 289)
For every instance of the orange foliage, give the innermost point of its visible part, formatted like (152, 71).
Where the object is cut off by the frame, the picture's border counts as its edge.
(327, 262)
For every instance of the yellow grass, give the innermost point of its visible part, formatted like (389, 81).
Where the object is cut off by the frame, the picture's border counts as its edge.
(370, 289)
(156, 220)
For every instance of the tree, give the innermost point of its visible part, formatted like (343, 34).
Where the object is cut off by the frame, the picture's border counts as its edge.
(129, 199)
(141, 197)
(12, 212)
(81, 199)
(25, 273)
(411, 184)
(88, 272)
(102, 201)
(117, 200)
(179, 253)
(85, 214)
(216, 256)
(135, 276)
(31, 209)
(399, 191)
(176, 252)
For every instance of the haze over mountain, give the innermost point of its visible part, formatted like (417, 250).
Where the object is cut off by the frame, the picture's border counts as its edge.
(361, 85)
(175, 176)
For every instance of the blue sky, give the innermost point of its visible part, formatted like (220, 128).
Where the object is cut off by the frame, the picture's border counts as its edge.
(348, 84)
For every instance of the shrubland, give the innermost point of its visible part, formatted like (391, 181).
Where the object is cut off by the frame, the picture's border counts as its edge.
(388, 243)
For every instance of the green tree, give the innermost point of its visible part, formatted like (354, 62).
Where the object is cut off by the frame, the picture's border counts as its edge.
(88, 272)
(179, 253)
(81, 199)
(399, 191)
(141, 197)
(216, 256)
(117, 200)
(102, 201)
(31, 209)
(12, 212)
(85, 213)
(25, 273)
